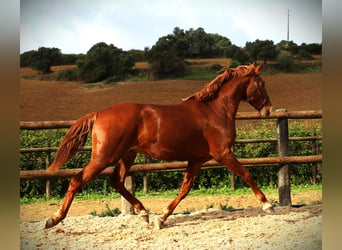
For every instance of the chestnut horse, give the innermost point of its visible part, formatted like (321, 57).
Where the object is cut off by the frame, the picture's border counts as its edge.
(200, 128)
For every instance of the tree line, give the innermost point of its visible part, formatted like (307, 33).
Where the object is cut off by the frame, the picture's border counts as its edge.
(166, 57)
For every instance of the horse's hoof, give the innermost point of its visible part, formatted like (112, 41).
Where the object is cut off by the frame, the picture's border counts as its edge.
(159, 223)
(268, 208)
(49, 223)
(144, 216)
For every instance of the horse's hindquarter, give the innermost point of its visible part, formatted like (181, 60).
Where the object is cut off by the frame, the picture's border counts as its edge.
(115, 130)
(172, 132)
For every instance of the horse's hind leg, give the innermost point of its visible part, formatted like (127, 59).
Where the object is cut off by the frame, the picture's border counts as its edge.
(117, 181)
(76, 183)
(192, 171)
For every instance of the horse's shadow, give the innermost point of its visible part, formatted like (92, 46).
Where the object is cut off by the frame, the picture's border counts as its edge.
(198, 217)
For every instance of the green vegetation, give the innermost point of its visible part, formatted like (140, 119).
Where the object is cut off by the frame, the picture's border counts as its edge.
(261, 50)
(43, 59)
(99, 85)
(67, 75)
(104, 61)
(112, 194)
(108, 212)
(139, 78)
(285, 60)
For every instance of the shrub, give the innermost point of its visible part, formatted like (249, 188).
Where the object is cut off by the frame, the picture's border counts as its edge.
(103, 61)
(44, 58)
(234, 64)
(304, 55)
(215, 67)
(67, 75)
(167, 64)
(239, 58)
(36, 161)
(108, 212)
(285, 60)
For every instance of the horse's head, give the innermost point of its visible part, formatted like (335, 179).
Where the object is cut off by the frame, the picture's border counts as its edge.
(256, 92)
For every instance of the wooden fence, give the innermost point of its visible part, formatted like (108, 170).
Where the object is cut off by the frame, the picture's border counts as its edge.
(283, 159)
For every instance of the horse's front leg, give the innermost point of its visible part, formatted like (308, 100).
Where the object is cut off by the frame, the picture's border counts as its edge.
(229, 161)
(76, 183)
(189, 178)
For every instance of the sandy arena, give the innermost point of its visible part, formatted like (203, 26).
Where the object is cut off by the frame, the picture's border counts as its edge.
(203, 228)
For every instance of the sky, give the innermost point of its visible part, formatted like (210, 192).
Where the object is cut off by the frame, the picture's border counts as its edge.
(74, 26)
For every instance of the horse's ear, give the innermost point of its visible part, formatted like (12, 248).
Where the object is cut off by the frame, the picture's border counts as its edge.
(258, 68)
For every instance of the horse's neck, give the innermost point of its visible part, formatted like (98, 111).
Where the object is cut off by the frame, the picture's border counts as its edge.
(229, 98)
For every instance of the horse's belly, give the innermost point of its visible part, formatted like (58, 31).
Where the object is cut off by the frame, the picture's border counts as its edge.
(181, 152)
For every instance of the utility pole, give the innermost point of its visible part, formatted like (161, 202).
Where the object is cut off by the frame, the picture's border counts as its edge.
(288, 27)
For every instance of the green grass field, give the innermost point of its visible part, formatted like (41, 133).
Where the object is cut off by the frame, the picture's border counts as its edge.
(93, 196)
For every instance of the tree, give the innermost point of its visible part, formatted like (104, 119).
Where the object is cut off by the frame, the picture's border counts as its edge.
(103, 61)
(304, 55)
(239, 57)
(26, 58)
(200, 44)
(290, 46)
(165, 58)
(182, 42)
(312, 48)
(252, 49)
(44, 58)
(262, 50)
(267, 51)
(70, 59)
(137, 55)
(285, 60)
(220, 45)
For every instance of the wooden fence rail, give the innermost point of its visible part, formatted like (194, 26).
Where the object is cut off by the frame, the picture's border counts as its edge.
(282, 140)
(171, 166)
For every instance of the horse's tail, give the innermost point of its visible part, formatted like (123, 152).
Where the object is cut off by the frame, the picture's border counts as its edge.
(73, 140)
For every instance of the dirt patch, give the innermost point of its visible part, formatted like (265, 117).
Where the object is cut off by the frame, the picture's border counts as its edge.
(39, 212)
(246, 227)
(207, 229)
(48, 100)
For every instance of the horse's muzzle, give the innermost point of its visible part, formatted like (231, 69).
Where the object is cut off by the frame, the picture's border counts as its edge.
(265, 111)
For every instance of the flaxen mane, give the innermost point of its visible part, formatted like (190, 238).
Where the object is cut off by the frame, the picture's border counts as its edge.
(210, 91)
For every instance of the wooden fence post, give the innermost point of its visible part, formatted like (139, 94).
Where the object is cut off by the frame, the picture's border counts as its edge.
(127, 207)
(232, 177)
(232, 180)
(145, 183)
(284, 170)
(314, 165)
(145, 178)
(48, 181)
